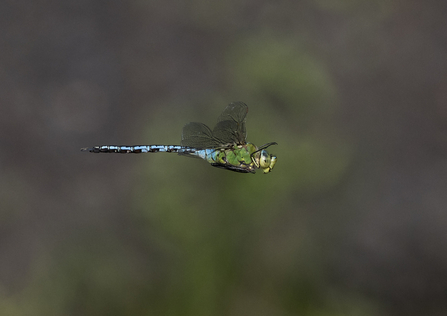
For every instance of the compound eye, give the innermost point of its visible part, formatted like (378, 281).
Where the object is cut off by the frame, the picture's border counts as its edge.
(264, 160)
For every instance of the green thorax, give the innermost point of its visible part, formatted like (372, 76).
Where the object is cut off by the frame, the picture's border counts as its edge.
(244, 158)
(236, 155)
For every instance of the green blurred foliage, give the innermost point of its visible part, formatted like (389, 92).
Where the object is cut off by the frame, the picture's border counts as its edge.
(275, 69)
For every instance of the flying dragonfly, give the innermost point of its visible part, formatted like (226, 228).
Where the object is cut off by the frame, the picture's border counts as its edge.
(224, 147)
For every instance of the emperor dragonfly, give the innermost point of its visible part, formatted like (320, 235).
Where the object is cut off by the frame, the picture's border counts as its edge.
(224, 147)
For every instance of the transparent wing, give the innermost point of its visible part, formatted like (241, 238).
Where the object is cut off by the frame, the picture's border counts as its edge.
(231, 124)
(198, 135)
(230, 129)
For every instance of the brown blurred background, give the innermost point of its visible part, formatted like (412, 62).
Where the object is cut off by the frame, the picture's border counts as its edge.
(352, 220)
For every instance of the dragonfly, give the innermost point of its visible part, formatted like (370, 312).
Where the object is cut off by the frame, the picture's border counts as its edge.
(224, 147)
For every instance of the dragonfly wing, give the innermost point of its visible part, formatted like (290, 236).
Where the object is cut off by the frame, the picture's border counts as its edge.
(231, 125)
(198, 135)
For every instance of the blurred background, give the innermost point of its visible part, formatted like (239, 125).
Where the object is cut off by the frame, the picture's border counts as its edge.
(352, 220)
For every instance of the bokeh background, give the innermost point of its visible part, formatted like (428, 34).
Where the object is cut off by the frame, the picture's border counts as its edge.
(352, 220)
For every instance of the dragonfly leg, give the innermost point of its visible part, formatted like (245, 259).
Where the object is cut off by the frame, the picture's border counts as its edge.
(233, 168)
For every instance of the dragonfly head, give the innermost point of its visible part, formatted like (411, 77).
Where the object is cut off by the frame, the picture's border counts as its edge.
(266, 161)
(262, 159)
